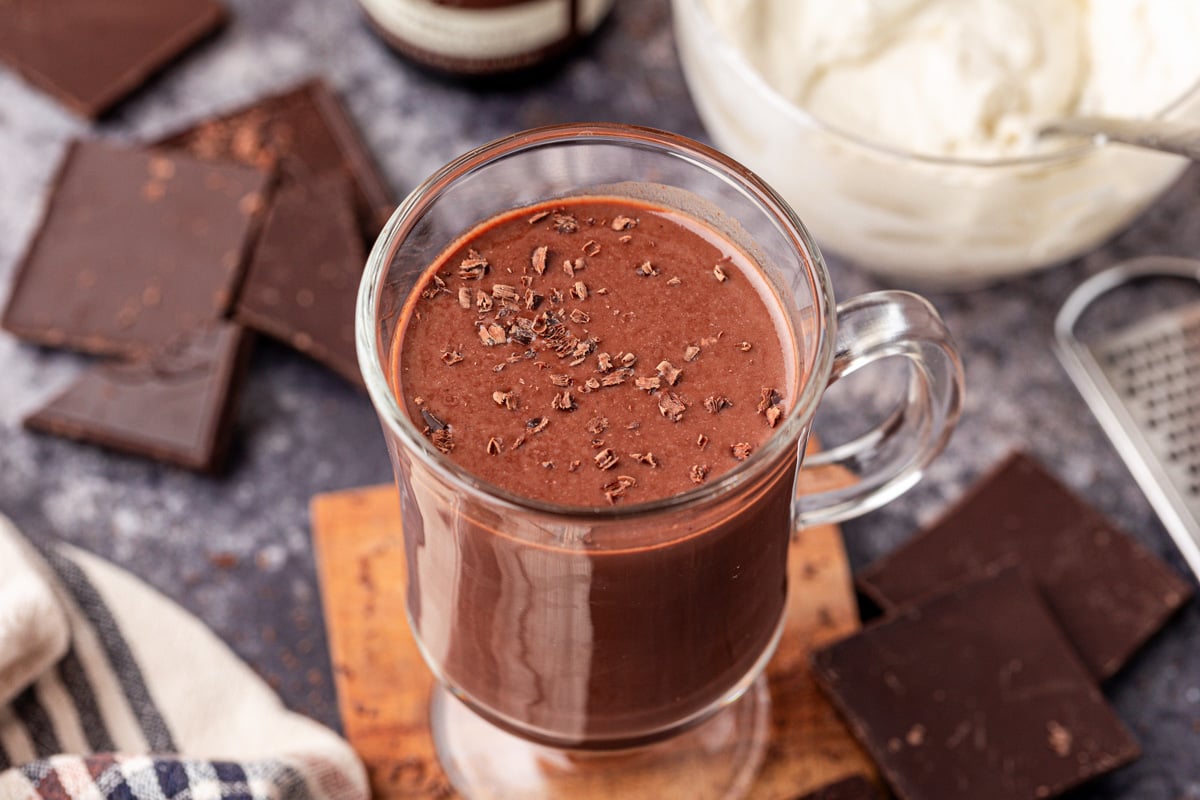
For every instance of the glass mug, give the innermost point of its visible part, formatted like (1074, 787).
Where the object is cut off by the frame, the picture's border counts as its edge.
(589, 650)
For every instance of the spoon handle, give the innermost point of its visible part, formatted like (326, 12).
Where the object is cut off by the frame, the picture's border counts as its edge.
(1180, 138)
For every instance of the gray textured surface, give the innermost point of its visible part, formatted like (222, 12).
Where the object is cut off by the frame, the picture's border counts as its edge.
(236, 550)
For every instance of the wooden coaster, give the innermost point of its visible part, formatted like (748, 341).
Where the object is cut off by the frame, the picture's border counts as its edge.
(383, 685)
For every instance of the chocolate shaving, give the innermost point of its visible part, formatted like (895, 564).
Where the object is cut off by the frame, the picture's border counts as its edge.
(691, 353)
(491, 335)
(574, 466)
(617, 378)
(532, 300)
(715, 403)
(451, 357)
(646, 458)
(698, 473)
(473, 266)
(502, 291)
(671, 406)
(627, 359)
(701, 441)
(617, 488)
(442, 440)
(556, 296)
(597, 425)
(563, 401)
(579, 317)
(768, 397)
(648, 384)
(432, 423)
(506, 399)
(773, 415)
(539, 216)
(709, 341)
(741, 451)
(483, 302)
(606, 459)
(591, 385)
(745, 347)
(494, 445)
(626, 239)
(623, 223)
(538, 259)
(560, 380)
(603, 362)
(464, 297)
(591, 247)
(646, 270)
(519, 442)
(548, 464)
(565, 223)
(435, 287)
(668, 372)
(579, 290)
(719, 273)
(537, 424)
(673, 281)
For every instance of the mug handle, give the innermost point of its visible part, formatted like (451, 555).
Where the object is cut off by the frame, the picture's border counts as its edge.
(891, 458)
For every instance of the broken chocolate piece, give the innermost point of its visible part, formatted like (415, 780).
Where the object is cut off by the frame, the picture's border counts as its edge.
(90, 55)
(309, 134)
(135, 247)
(177, 405)
(975, 693)
(302, 282)
(1108, 592)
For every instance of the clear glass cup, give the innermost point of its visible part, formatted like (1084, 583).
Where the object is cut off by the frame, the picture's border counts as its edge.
(583, 650)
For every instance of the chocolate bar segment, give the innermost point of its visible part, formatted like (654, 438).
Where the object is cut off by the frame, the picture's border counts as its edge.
(92, 53)
(975, 693)
(176, 405)
(302, 281)
(1108, 592)
(856, 787)
(308, 133)
(135, 247)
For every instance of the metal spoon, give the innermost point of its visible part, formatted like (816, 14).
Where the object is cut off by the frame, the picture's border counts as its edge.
(1180, 138)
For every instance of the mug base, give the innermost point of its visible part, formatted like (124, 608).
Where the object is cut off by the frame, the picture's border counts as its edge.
(717, 759)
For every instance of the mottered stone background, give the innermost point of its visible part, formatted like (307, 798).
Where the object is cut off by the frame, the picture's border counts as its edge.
(235, 549)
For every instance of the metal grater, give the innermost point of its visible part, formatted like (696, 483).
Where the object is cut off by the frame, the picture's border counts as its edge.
(1143, 384)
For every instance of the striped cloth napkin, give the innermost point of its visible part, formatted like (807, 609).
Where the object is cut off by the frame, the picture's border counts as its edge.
(96, 702)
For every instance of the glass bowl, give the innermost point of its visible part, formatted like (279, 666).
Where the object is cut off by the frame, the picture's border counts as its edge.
(940, 223)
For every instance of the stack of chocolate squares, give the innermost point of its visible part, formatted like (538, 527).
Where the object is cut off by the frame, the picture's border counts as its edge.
(1001, 621)
(164, 258)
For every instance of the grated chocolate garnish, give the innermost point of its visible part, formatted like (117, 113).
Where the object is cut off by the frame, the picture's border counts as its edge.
(646, 458)
(464, 297)
(773, 415)
(563, 401)
(669, 372)
(603, 362)
(560, 380)
(741, 451)
(617, 378)
(691, 353)
(506, 399)
(574, 466)
(649, 384)
(565, 223)
(719, 273)
(671, 406)
(617, 488)
(451, 357)
(473, 266)
(591, 247)
(483, 302)
(579, 316)
(435, 287)
(597, 425)
(745, 347)
(674, 281)
(606, 459)
(701, 441)
(716, 402)
(502, 291)
(494, 445)
(698, 473)
(591, 384)
(539, 216)
(623, 223)
(538, 259)
(491, 335)
(442, 440)
(646, 270)
(579, 290)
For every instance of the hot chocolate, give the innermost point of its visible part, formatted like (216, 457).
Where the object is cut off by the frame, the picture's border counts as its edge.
(595, 352)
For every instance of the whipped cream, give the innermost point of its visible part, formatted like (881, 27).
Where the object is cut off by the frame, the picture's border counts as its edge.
(967, 79)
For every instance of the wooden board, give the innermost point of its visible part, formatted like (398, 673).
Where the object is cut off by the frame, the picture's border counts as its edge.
(383, 685)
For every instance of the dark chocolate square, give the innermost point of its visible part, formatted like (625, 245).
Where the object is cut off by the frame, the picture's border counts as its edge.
(92, 53)
(855, 787)
(135, 246)
(975, 693)
(1108, 592)
(307, 132)
(303, 278)
(176, 405)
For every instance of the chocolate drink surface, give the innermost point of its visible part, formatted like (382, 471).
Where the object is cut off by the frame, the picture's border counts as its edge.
(589, 353)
